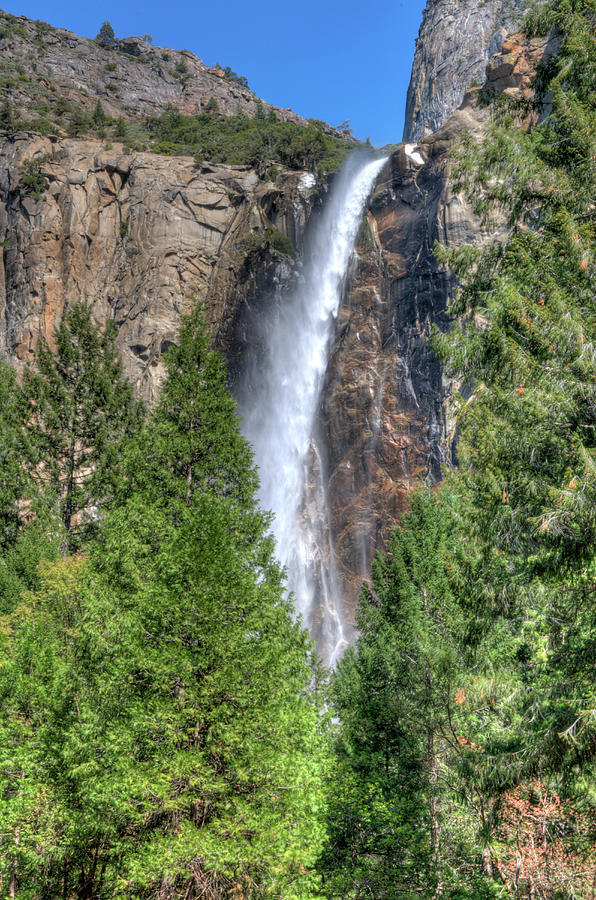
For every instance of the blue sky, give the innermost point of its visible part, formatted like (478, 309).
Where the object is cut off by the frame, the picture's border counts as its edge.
(325, 59)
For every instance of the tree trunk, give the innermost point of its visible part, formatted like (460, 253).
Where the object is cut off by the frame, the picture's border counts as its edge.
(432, 803)
(12, 887)
(67, 517)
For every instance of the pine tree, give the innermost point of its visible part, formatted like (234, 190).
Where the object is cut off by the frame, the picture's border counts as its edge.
(528, 435)
(82, 409)
(14, 481)
(260, 115)
(394, 693)
(121, 130)
(7, 118)
(159, 691)
(193, 443)
(99, 116)
(106, 37)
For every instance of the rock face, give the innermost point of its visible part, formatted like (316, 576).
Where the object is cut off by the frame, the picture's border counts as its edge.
(132, 79)
(386, 409)
(140, 237)
(456, 40)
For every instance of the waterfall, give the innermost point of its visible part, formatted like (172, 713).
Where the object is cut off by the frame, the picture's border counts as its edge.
(280, 402)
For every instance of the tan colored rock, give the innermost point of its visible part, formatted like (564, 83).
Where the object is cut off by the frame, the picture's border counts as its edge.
(139, 236)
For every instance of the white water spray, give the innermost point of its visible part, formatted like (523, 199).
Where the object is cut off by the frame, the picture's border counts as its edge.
(280, 406)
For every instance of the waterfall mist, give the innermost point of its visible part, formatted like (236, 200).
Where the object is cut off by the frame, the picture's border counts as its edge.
(280, 399)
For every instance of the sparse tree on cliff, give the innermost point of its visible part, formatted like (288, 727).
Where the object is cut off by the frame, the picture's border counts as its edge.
(106, 37)
(99, 116)
(7, 118)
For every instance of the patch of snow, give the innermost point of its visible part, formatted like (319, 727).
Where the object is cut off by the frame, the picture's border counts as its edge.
(412, 153)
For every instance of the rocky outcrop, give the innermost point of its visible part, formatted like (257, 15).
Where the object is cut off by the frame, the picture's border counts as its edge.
(133, 79)
(456, 40)
(140, 237)
(386, 410)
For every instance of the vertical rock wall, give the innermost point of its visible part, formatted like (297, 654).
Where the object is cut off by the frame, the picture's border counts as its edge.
(456, 40)
(384, 409)
(138, 236)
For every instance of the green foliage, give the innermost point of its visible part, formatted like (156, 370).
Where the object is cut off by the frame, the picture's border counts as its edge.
(10, 27)
(260, 115)
(99, 116)
(33, 178)
(480, 626)
(106, 37)
(7, 118)
(272, 238)
(181, 67)
(14, 482)
(79, 123)
(394, 692)
(278, 241)
(240, 141)
(232, 76)
(160, 732)
(121, 130)
(81, 410)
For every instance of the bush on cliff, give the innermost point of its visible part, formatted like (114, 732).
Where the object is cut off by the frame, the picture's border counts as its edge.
(242, 141)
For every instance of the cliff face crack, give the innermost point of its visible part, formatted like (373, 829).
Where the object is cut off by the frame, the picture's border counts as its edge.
(279, 402)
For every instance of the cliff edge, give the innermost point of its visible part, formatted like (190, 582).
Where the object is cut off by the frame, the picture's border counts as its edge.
(456, 40)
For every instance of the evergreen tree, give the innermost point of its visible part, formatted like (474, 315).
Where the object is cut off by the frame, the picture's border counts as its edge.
(28, 531)
(240, 120)
(121, 130)
(7, 118)
(14, 449)
(81, 410)
(106, 37)
(99, 116)
(260, 115)
(193, 443)
(527, 447)
(158, 696)
(395, 695)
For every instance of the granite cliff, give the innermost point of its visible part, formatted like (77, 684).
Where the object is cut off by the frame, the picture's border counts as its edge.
(139, 236)
(456, 40)
(386, 410)
(43, 68)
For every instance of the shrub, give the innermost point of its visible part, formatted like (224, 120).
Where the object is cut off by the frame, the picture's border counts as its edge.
(278, 241)
(33, 179)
